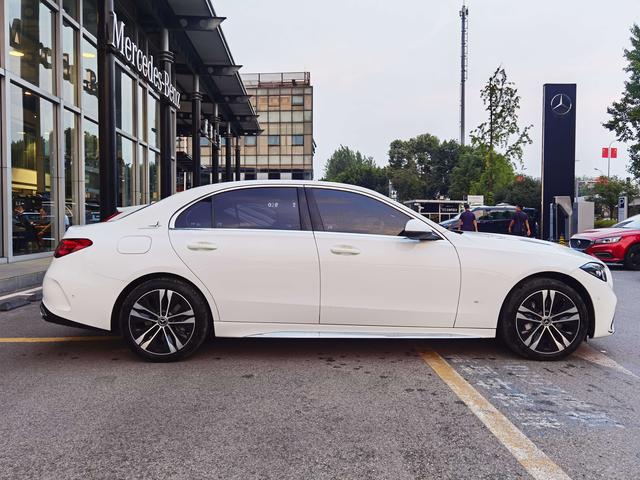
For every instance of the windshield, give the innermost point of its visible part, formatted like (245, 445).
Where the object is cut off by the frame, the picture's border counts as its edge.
(632, 223)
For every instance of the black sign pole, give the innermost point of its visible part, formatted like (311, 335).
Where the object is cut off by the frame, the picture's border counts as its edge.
(558, 152)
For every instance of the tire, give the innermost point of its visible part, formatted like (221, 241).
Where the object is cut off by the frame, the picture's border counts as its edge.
(632, 258)
(549, 334)
(164, 320)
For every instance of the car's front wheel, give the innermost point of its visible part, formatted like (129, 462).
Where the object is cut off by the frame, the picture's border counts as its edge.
(632, 258)
(544, 319)
(164, 319)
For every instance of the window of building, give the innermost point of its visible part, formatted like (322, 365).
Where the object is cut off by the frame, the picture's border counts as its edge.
(90, 16)
(257, 208)
(69, 64)
(297, 140)
(124, 159)
(349, 212)
(70, 125)
(250, 141)
(31, 46)
(154, 176)
(89, 79)
(153, 121)
(91, 173)
(141, 130)
(297, 100)
(198, 215)
(32, 154)
(71, 8)
(274, 140)
(124, 101)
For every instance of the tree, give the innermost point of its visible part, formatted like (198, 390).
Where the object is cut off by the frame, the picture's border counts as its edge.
(524, 190)
(467, 171)
(495, 176)
(421, 167)
(606, 191)
(347, 166)
(500, 133)
(625, 113)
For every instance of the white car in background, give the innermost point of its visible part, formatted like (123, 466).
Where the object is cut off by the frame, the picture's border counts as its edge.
(314, 259)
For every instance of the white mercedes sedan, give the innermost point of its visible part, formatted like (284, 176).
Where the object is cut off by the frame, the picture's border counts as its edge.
(312, 259)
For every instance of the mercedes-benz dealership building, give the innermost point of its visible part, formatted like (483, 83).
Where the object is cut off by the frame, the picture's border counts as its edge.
(94, 95)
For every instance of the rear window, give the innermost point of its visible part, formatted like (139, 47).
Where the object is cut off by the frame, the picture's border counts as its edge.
(265, 208)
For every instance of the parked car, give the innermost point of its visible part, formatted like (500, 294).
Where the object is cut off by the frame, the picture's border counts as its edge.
(250, 259)
(617, 244)
(495, 219)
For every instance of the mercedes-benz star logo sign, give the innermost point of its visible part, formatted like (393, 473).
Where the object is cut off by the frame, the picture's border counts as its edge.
(561, 104)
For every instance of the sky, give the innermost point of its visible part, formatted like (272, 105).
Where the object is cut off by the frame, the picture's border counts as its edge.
(386, 70)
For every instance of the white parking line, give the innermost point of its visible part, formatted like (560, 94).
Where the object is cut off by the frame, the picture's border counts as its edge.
(534, 460)
(590, 354)
(21, 293)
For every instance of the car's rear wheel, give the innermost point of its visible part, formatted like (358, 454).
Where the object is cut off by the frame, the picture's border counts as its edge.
(544, 319)
(632, 258)
(164, 319)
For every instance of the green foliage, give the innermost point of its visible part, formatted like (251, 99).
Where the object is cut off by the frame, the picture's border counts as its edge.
(421, 167)
(605, 192)
(496, 175)
(501, 133)
(625, 113)
(466, 172)
(604, 223)
(524, 190)
(347, 166)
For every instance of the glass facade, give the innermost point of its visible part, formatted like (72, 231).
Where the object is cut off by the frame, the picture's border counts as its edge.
(31, 47)
(32, 153)
(50, 165)
(53, 162)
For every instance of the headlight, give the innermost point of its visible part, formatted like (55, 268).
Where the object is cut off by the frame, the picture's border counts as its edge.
(608, 240)
(596, 269)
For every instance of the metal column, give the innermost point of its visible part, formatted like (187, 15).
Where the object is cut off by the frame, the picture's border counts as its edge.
(215, 154)
(165, 56)
(228, 173)
(106, 114)
(196, 112)
(237, 158)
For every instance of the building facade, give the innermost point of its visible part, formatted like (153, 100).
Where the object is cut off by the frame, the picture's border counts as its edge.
(285, 147)
(93, 97)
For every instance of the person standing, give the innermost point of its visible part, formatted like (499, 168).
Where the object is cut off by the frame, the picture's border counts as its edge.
(520, 223)
(467, 222)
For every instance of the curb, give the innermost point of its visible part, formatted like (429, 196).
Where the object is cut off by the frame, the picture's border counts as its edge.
(21, 282)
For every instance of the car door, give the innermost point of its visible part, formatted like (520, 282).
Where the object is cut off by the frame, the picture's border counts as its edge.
(255, 251)
(370, 274)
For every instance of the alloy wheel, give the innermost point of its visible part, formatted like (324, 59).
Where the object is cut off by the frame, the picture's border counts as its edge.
(547, 322)
(162, 322)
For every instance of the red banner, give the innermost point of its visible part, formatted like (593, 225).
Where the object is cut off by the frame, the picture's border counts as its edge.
(605, 152)
(614, 152)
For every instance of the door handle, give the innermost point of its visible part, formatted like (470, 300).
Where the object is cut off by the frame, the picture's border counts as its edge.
(344, 250)
(201, 246)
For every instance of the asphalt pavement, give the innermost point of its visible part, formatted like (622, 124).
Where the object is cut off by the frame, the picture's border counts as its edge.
(317, 409)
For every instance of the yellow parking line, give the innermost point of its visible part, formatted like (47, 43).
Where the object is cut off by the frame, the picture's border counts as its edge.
(524, 450)
(55, 339)
(590, 354)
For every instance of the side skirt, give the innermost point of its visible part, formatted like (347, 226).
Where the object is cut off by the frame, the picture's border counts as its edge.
(282, 330)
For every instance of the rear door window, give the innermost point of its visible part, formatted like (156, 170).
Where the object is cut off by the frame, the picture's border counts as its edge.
(270, 208)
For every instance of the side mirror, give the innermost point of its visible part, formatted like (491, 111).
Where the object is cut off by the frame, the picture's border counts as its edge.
(417, 230)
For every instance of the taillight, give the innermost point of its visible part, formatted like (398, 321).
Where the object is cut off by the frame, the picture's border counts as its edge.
(114, 214)
(70, 245)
